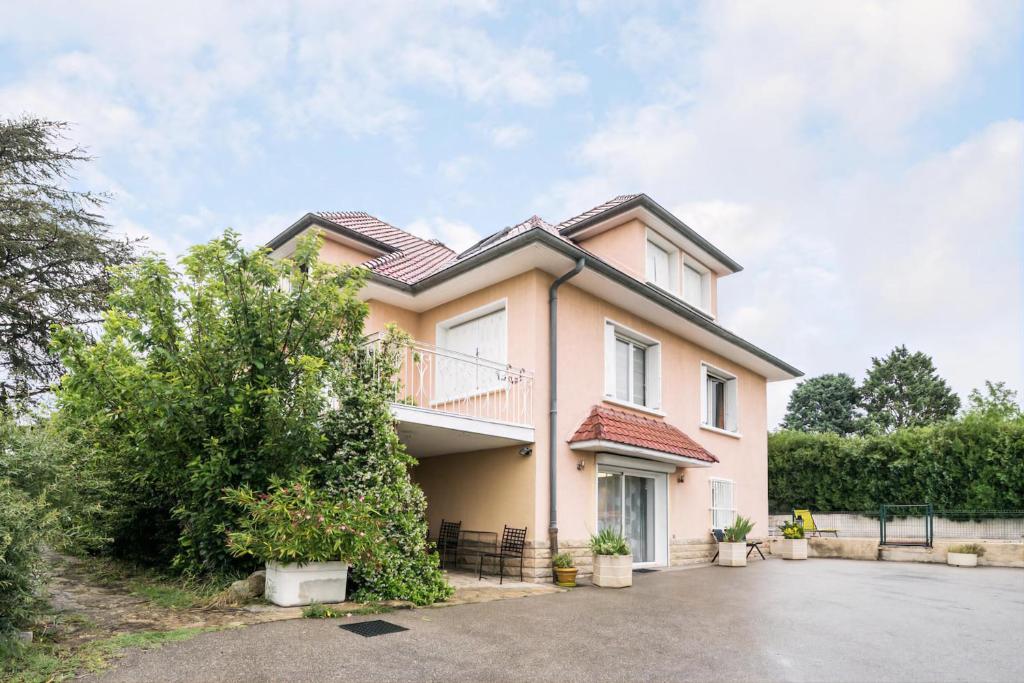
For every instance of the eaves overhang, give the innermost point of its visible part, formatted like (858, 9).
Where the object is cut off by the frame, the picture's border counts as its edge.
(663, 299)
(663, 214)
(310, 220)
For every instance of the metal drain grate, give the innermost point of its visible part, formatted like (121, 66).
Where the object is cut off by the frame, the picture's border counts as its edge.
(645, 570)
(376, 627)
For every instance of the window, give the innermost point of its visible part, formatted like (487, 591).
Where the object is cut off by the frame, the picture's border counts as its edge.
(696, 285)
(723, 506)
(718, 399)
(479, 342)
(658, 270)
(630, 371)
(632, 367)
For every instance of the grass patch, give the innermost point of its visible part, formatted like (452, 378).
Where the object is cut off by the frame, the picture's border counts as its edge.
(318, 611)
(163, 589)
(46, 661)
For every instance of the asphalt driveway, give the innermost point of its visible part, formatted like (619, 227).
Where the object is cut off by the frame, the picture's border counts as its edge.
(836, 620)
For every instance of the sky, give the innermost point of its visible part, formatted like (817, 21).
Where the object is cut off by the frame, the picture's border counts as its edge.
(863, 161)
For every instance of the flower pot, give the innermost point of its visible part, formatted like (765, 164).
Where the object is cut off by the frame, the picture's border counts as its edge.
(793, 548)
(566, 576)
(613, 571)
(293, 584)
(962, 559)
(732, 554)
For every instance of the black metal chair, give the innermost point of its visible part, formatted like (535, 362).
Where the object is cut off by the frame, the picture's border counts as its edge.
(513, 541)
(448, 540)
(719, 535)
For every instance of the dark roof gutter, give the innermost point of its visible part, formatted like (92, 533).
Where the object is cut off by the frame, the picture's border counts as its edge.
(665, 300)
(643, 201)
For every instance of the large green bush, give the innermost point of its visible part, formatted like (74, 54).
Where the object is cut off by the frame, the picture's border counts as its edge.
(366, 458)
(974, 463)
(203, 380)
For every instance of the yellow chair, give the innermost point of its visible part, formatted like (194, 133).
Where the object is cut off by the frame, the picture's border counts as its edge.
(810, 527)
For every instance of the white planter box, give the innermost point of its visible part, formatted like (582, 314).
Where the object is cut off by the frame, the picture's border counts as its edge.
(290, 584)
(732, 554)
(613, 571)
(793, 548)
(962, 559)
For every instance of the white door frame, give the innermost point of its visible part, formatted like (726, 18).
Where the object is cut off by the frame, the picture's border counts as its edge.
(607, 462)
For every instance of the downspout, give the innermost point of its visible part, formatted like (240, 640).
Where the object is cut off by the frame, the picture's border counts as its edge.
(553, 393)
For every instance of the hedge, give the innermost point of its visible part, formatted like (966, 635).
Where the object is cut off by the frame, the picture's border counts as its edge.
(969, 464)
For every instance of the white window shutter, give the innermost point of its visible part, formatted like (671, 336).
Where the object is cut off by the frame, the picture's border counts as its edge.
(731, 406)
(654, 377)
(703, 394)
(609, 360)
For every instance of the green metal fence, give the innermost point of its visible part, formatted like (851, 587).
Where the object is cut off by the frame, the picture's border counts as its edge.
(907, 525)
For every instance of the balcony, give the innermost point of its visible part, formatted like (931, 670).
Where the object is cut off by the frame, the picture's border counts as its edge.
(450, 402)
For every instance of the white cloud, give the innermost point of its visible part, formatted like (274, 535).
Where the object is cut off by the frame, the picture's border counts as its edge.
(455, 235)
(510, 136)
(792, 152)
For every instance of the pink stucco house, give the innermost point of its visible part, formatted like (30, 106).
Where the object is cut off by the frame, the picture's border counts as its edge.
(571, 376)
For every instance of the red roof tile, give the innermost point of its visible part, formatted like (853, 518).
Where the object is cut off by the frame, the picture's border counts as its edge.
(600, 208)
(607, 424)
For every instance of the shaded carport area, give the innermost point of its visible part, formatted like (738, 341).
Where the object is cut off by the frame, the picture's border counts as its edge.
(837, 620)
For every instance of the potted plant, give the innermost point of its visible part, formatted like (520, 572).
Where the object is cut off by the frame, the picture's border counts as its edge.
(613, 563)
(732, 550)
(306, 538)
(565, 570)
(793, 545)
(964, 555)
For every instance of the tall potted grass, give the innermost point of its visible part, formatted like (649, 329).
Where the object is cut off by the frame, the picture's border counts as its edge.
(613, 561)
(732, 550)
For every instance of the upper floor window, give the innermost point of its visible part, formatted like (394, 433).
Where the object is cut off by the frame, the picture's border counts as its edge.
(474, 350)
(662, 263)
(632, 367)
(696, 284)
(718, 399)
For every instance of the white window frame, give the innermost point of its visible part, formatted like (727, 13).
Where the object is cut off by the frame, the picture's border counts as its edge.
(652, 363)
(609, 462)
(732, 400)
(672, 250)
(728, 511)
(705, 283)
(441, 338)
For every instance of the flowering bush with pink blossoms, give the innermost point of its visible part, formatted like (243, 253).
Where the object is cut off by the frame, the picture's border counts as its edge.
(296, 522)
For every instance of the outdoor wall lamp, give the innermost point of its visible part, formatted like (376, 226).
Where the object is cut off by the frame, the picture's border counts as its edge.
(525, 451)
(682, 477)
(581, 464)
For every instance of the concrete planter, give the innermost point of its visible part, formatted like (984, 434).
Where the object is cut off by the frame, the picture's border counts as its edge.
(613, 571)
(732, 554)
(793, 548)
(962, 559)
(289, 585)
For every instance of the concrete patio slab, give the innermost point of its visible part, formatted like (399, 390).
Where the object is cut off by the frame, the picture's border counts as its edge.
(836, 620)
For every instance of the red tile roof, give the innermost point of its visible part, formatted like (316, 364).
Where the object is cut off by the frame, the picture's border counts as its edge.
(600, 208)
(415, 258)
(608, 424)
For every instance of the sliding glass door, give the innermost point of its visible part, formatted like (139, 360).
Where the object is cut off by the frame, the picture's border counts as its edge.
(626, 502)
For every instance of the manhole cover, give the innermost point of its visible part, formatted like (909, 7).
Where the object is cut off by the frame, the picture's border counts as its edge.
(644, 571)
(376, 627)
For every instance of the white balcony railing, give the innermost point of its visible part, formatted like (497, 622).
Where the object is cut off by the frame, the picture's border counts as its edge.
(446, 381)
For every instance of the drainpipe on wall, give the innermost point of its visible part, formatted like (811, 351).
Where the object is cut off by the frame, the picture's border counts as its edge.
(553, 393)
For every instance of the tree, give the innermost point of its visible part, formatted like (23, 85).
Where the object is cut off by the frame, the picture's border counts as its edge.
(904, 390)
(55, 252)
(208, 379)
(997, 402)
(824, 404)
